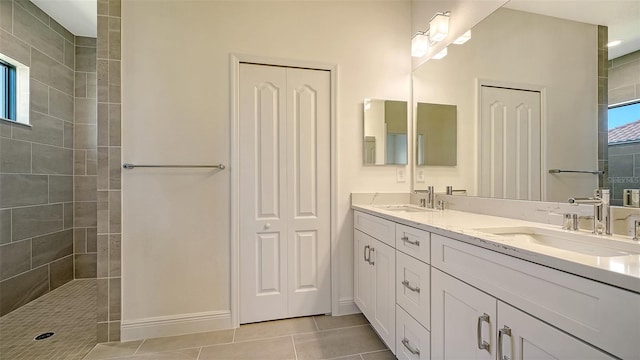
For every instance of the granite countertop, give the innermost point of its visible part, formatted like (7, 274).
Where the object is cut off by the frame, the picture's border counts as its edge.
(620, 271)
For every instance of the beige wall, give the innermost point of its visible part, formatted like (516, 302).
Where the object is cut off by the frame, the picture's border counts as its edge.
(517, 47)
(176, 81)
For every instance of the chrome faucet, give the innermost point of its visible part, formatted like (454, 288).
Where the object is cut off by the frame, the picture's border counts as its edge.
(601, 210)
(430, 197)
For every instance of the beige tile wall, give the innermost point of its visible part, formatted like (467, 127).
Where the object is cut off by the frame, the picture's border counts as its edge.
(603, 118)
(108, 177)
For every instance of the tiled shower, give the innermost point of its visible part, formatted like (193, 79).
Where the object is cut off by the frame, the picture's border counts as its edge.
(48, 171)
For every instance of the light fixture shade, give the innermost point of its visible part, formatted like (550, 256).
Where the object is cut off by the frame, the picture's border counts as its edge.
(441, 54)
(439, 27)
(419, 45)
(464, 38)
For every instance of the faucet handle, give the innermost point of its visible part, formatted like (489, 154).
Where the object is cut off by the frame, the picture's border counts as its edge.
(570, 222)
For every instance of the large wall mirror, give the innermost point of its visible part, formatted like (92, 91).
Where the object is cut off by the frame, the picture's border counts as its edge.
(544, 71)
(436, 134)
(385, 132)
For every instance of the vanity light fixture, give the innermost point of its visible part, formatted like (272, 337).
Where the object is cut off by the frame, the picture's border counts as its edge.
(441, 54)
(614, 43)
(439, 26)
(463, 38)
(419, 44)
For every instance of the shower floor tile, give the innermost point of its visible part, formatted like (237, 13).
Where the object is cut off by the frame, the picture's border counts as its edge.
(69, 311)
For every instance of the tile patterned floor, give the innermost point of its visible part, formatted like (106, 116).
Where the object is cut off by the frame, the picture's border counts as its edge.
(347, 337)
(69, 311)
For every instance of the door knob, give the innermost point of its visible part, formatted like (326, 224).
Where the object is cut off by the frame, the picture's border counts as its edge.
(267, 225)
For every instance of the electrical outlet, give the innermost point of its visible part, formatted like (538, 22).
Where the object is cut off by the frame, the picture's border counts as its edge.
(420, 176)
(400, 175)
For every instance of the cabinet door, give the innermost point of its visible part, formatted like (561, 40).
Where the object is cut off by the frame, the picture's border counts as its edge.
(462, 320)
(383, 259)
(524, 337)
(363, 273)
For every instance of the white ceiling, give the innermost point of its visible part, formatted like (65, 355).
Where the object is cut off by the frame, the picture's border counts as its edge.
(78, 16)
(621, 16)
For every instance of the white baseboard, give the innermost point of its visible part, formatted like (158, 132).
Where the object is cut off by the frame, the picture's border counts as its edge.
(346, 306)
(138, 329)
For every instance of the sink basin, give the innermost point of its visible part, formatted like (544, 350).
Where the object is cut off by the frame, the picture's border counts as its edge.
(577, 242)
(404, 207)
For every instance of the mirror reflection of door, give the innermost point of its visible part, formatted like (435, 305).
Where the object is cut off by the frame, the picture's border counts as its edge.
(510, 151)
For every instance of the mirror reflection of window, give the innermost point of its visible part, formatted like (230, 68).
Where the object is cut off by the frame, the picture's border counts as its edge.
(385, 132)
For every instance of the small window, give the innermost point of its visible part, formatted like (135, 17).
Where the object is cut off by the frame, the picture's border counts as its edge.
(14, 90)
(7, 91)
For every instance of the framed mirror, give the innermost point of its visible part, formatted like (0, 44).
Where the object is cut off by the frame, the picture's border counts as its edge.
(436, 134)
(385, 132)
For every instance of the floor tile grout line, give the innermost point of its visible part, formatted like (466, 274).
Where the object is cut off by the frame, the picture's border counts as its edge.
(233, 339)
(315, 322)
(295, 352)
(296, 334)
(199, 352)
(139, 346)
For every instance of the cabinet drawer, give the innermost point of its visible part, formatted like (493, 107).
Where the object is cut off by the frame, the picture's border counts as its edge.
(414, 242)
(413, 286)
(379, 228)
(602, 315)
(412, 340)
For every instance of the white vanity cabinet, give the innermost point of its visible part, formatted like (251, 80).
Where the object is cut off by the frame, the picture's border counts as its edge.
(531, 307)
(374, 274)
(470, 324)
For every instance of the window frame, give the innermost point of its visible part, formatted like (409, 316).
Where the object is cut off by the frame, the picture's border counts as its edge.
(15, 88)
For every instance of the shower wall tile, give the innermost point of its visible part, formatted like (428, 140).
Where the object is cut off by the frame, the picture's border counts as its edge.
(33, 221)
(14, 47)
(60, 189)
(66, 34)
(23, 190)
(69, 54)
(85, 188)
(15, 156)
(79, 240)
(6, 15)
(38, 34)
(48, 248)
(108, 84)
(60, 272)
(21, 289)
(85, 59)
(85, 266)
(80, 162)
(33, 10)
(39, 96)
(51, 72)
(68, 215)
(5, 226)
(85, 214)
(44, 130)
(85, 111)
(68, 135)
(61, 105)
(114, 255)
(114, 299)
(15, 258)
(102, 286)
(85, 136)
(52, 160)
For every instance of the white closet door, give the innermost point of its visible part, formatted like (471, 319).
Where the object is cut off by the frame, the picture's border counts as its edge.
(510, 144)
(284, 204)
(308, 176)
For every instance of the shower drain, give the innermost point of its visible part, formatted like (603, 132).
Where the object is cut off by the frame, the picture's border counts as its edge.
(43, 336)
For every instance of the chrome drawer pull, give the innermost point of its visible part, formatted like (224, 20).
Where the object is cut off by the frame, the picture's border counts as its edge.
(365, 254)
(504, 331)
(482, 345)
(414, 289)
(413, 350)
(406, 239)
(371, 261)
